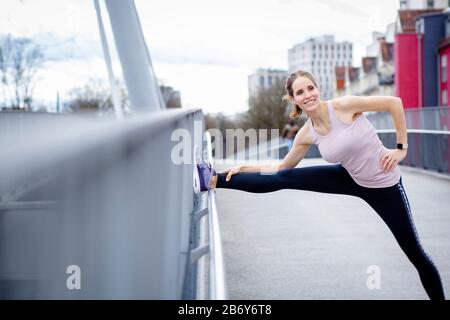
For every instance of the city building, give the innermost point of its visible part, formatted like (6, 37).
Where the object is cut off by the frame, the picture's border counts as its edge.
(430, 30)
(415, 56)
(320, 56)
(444, 70)
(423, 4)
(347, 80)
(376, 75)
(263, 79)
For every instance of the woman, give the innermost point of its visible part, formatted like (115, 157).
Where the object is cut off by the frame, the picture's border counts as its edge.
(365, 168)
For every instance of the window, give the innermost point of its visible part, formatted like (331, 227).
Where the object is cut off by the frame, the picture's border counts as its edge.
(270, 80)
(444, 68)
(261, 81)
(430, 3)
(444, 98)
(447, 25)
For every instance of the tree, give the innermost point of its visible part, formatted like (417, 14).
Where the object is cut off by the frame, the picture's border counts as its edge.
(219, 123)
(171, 97)
(267, 110)
(95, 98)
(20, 60)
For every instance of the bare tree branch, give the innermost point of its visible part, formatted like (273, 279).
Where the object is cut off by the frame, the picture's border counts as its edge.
(20, 60)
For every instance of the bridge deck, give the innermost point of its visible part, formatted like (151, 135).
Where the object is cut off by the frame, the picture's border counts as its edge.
(303, 245)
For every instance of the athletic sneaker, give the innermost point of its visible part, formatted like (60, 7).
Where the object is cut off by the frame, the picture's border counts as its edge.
(203, 172)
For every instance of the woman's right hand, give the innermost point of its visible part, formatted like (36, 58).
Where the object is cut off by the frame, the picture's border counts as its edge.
(231, 171)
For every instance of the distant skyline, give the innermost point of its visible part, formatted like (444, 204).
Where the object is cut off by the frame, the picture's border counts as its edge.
(204, 48)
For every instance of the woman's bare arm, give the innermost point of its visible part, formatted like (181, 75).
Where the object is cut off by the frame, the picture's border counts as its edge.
(302, 142)
(394, 105)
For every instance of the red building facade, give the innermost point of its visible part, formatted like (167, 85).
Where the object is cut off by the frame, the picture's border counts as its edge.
(408, 58)
(406, 69)
(444, 72)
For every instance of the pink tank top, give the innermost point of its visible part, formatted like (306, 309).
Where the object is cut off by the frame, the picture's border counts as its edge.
(357, 148)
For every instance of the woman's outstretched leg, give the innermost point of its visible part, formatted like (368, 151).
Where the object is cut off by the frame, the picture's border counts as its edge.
(392, 206)
(324, 178)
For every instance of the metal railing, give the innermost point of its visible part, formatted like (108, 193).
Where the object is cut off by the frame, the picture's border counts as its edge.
(427, 149)
(427, 118)
(217, 273)
(205, 274)
(103, 196)
(428, 136)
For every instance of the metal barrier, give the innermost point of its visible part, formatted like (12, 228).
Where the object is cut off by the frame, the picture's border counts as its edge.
(99, 209)
(427, 118)
(104, 197)
(205, 273)
(217, 273)
(427, 149)
(428, 136)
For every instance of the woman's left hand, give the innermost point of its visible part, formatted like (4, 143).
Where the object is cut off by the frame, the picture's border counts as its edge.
(390, 159)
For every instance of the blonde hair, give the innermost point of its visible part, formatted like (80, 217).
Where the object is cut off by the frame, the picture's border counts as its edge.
(296, 111)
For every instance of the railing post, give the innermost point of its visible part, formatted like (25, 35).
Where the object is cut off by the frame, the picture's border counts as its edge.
(138, 73)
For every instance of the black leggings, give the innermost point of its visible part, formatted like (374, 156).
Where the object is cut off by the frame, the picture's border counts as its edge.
(390, 203)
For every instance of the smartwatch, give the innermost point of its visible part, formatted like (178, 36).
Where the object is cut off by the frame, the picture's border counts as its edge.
(402, 146)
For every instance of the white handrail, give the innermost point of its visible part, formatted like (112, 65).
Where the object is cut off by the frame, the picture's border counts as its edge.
(216, 266)
(415, 131)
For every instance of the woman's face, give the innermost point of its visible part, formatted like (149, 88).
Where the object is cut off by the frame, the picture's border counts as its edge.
(306, 94)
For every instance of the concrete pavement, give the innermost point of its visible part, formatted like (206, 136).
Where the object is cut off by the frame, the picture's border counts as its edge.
(293, 244)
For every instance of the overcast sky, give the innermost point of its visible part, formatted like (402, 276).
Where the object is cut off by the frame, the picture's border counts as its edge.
(204, 48)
